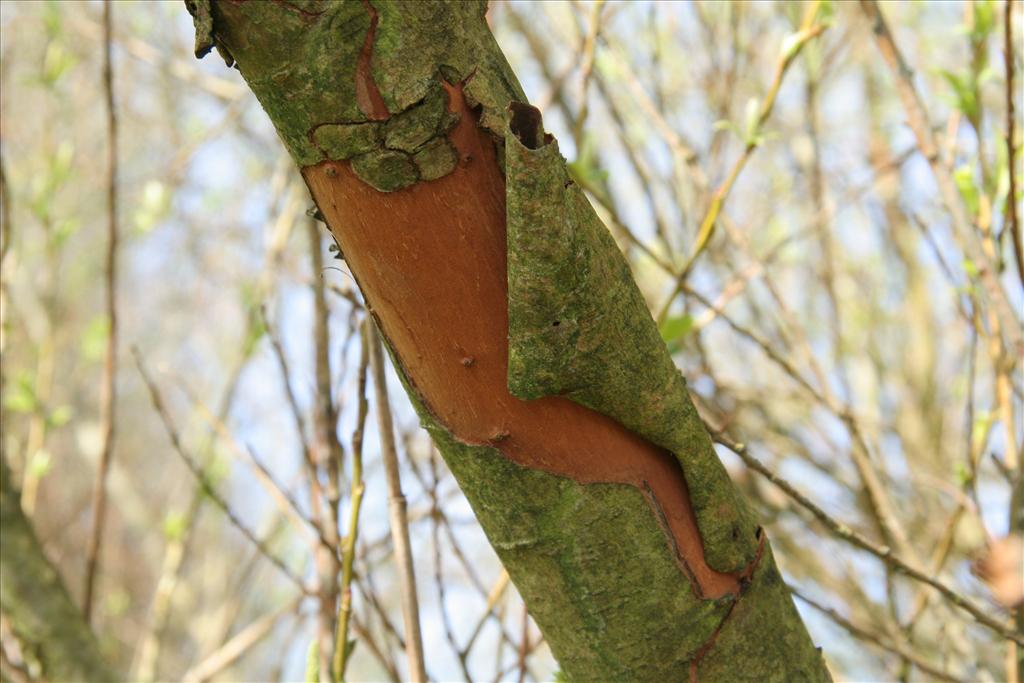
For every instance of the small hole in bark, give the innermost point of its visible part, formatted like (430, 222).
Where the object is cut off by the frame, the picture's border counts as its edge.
(527, 125)
(556, 323)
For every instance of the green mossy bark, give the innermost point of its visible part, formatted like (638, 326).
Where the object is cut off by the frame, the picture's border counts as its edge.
(579, 327)
(763, 627)
(595, 567)
(301, 61)
(33, 597)
(591, 562)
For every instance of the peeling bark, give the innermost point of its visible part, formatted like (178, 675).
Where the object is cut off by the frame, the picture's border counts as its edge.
(522, 339)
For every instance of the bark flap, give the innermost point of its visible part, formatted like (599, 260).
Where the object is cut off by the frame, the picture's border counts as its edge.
(580, 328)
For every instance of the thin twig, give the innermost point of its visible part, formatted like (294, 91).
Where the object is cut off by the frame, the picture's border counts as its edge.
(144, 666)
(866, 635)
(441, 521)
(495, 594)
(367, 638)
(397, 510)
(524, 645)
(858, 540)
(229, 653)
(204, 481)
(108, 389)
(917, 119)
(293, 404)
(1011, 197)
(807, 32)
(586, 70)
(442, 598)
(285, 501)
(348, 550)
(327, 454)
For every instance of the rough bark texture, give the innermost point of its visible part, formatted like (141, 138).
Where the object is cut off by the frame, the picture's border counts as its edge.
(48, 624)
(521, 338)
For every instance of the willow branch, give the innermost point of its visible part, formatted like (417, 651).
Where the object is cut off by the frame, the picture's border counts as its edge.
(1011, 120)
(348, 549)
(807, 32)
(884, 553)
(917, 119)
(204, 480)
(397, 510)
(108, 390)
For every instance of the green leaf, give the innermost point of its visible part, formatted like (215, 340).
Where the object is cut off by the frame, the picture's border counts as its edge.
(60, 416)
(217, 470)
(751, 118)
(94, 339)
(155, 201)
(970, 268)
(960, 473)
(674, 327)
(40, 464)
(964, 178)
(53, 20)
(981, 427)
(57, 62)
(726, 124)
(826, 12)
(964, 92)
(174, 526)
(984, 20)
(586, 170)
(1001, 180)
(117, 602)
(63, 230)
(21, 395)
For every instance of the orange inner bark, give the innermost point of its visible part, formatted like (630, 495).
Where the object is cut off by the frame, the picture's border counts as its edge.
(431, 261)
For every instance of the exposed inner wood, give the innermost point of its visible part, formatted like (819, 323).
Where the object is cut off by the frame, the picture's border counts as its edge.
(368, 97)
(431, 261)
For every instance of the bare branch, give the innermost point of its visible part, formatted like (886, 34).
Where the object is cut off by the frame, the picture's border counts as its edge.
(854, 538)
(108, 388)
(203, 479)
(397, 510)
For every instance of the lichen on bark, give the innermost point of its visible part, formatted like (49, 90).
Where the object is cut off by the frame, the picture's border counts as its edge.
(318, 67)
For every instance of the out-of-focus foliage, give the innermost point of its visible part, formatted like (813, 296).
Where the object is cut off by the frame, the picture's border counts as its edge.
(836, 322)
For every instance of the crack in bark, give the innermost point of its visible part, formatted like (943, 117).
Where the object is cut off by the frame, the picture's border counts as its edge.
(368, 96)
(744, 579)
(659, 515)
(295, 8)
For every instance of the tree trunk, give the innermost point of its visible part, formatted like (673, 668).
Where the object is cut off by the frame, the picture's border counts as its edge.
(521, 338)
(49, 627)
